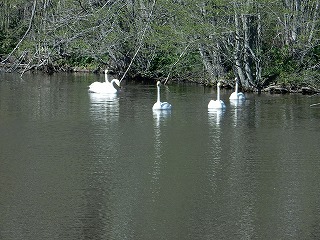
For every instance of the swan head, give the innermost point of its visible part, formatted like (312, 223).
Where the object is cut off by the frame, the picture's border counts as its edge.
(116, 81)
(219, 84)
(158, 83)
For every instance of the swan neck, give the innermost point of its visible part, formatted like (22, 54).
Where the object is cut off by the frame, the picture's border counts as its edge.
(218, 92)
(237, 87)
(158, 93)
(106, 77)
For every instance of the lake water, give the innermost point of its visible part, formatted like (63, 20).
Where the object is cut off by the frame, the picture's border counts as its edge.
(75, 165)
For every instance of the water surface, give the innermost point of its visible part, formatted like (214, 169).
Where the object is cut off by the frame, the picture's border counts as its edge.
(75, 165)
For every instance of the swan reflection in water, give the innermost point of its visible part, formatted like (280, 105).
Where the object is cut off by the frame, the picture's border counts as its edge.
(104, 106)
(237, 105)
(103, 148)
(215, 116)
(160, 118)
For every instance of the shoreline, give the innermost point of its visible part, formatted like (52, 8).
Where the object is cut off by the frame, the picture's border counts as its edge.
(273, 88)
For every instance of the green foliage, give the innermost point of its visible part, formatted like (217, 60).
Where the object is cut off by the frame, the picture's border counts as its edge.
(165, 38)
(279, 60)
(296, 80)
(80, 61)
(311, 58)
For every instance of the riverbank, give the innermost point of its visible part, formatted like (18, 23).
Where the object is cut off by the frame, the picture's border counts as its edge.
(277, 86)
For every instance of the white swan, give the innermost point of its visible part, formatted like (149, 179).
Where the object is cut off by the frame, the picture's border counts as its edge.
(217, 104)
(160, 105)
(105, 87)
(237, 95)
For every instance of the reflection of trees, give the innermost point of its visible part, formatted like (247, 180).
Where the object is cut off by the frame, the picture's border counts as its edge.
(233, 185)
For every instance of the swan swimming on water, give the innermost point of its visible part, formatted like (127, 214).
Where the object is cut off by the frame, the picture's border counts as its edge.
(160, 105)
(237, 95)
(217, 104)
(105, 87)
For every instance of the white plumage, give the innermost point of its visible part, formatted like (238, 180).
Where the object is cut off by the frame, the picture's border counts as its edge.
(237, 95)
(217, 104)
(105, 87)
(160, 105)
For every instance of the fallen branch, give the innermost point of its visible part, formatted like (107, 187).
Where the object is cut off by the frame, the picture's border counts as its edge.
(315, 104)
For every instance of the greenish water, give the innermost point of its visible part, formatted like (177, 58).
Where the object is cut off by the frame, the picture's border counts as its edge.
(75, 165)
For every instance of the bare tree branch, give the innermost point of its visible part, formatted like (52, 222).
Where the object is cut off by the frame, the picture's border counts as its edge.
(26, 33)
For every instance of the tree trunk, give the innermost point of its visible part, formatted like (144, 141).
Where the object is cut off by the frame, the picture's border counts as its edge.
(258, 51)
(206, 62)
(314, 20)
(247, 58)
(237, 52)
